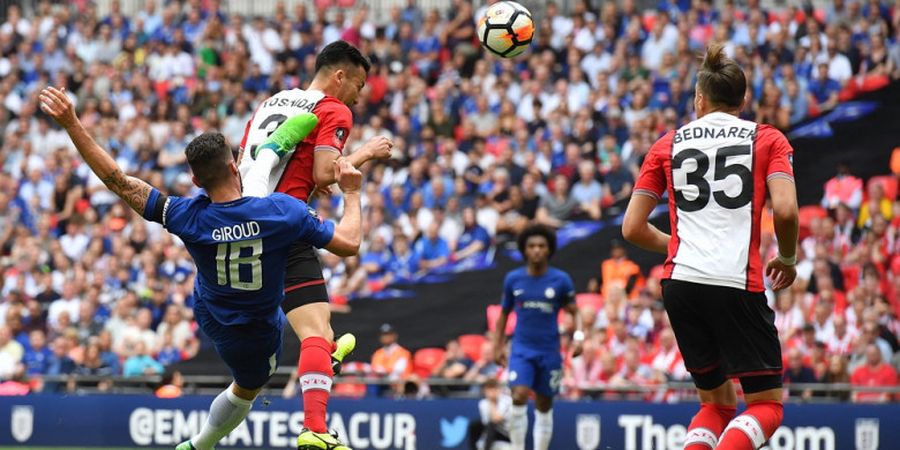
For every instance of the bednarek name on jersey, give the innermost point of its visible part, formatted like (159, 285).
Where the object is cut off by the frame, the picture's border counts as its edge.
(687, 133)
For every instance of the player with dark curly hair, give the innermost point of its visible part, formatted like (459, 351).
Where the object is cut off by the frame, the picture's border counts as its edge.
(536, 292)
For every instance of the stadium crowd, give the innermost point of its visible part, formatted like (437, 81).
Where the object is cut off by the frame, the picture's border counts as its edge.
(483, 146)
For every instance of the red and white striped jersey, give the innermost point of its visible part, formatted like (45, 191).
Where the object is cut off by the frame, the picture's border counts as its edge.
(715, 171)
(294, 175)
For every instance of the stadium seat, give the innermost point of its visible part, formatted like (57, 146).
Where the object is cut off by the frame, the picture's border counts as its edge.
(471, 345)
(591, 299)
(349, 390)
(426, 359)
(493, 312)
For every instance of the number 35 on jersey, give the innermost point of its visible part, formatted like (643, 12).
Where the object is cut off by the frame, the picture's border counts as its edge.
(714, 171)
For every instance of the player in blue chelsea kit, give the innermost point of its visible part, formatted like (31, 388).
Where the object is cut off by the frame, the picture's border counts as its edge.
(536, 292)
(239, 245)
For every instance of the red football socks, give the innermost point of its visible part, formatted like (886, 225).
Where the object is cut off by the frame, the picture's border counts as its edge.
(754, 427)
(315, 381)
(707, 425)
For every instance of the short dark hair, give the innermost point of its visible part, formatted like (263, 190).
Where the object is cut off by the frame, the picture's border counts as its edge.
(341, 52)
(537, 230)
(209, 157)
(721, 79)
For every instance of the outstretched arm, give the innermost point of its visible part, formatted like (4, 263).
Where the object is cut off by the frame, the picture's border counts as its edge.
(135, 192)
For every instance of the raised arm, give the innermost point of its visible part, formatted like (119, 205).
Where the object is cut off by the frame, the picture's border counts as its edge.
(348, 232)
(134, 191)
(378, 147)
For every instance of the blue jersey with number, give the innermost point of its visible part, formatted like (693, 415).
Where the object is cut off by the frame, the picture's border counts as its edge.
(240, 249)
(537, 301)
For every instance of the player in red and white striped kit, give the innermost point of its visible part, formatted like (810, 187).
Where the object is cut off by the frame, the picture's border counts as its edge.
(717, 171)
(340, 75)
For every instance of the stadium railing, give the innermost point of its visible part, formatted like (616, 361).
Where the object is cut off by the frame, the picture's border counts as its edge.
(447, 387)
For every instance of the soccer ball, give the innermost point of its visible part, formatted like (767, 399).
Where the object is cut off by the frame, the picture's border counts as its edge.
(506, 29)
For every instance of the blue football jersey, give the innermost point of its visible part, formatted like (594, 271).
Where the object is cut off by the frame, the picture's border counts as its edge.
(537, 301)
(240, 249)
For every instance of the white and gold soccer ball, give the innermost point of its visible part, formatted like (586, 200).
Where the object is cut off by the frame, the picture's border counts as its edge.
(506, 29)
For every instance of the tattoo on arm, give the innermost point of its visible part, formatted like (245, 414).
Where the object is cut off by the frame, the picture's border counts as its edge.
(135, 192)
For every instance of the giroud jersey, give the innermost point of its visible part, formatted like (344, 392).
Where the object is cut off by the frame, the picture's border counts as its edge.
(537, 301)
(294, 175)
(715, 170)
(240, 249)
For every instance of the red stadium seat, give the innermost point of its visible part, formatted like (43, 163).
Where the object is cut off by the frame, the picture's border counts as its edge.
(426, 359)
(471, 345)
(349, 390)
(591, 299)
(493, 312)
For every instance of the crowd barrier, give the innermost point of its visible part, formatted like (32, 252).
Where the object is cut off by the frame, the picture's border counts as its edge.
(135, 421)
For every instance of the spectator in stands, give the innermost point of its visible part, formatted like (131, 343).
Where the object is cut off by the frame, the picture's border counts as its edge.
(668, 362)
(876, 204)
(836, 373)
(619, 272)
(58, 365)
(485, 368)
(870, 334)
(588, 192)
(619, 181)
(94, 365)
(168, 353)
(492, 424)
(109, 357)
(38, 355)
(69, 302)
(432, 251)
(404, 263)
(843, 188)
(175, 323)
(474, 240)
(798, 372)
(455, 364)
(633, 372)
(11, 353)
(557, 208)
(874, 373)
(391, 360)
(141, 362)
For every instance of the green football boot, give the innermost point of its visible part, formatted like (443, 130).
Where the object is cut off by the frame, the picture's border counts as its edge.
(345, 345)
(319, 441)
(291, 132)
(186, 445)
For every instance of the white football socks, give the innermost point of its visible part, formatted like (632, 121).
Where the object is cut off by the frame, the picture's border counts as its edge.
(518, 426)
(543, 429)
(226, 412)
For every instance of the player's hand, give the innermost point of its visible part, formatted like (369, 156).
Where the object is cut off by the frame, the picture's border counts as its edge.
(379, 147)
(577, 348)
(500, 356)
(348, 177)
(780, 274)
(324, 192)
(56, 104)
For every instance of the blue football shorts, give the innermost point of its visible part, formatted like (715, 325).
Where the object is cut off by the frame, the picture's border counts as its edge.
(250, 351)
(539, 371)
